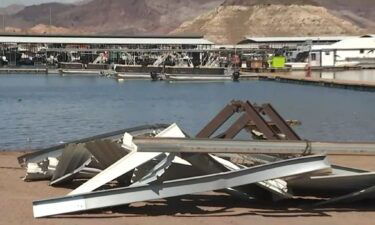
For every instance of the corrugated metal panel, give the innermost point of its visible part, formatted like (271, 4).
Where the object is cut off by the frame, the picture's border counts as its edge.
(106, 152)
(56, 150)
(73, 157)
(104, 40)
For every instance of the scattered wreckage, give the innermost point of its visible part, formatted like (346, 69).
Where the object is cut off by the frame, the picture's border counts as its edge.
(160, 161)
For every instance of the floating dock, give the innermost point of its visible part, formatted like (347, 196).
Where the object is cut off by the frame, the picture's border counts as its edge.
(333, 83)
(24, 70)
(170, 70)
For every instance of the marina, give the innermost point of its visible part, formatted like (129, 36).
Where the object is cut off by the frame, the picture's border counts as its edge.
(193, 58)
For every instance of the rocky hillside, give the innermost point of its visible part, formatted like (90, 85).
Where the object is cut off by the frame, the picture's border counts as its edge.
(228, 24)
(268, 2)
(224, 21)
(12, 9)
(39, 14)
(114, 16)
(359, 12)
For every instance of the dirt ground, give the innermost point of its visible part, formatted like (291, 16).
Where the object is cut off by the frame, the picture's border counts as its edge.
(16, 198)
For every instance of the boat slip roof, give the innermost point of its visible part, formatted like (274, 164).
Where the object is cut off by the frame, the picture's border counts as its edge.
(120, 40)
(295, 39)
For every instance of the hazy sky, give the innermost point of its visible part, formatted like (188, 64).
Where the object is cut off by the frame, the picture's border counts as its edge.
(31, 2)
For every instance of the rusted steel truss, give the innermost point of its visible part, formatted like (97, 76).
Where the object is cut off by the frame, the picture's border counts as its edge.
(264, 119)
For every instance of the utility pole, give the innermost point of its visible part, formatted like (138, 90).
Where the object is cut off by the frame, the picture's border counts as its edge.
(4, 23)
(50, 19)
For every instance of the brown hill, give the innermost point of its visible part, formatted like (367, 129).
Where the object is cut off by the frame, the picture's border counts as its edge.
(360, 12)
(229, 24)
(11, 9)
(44, 29)
(116, 16)
(108, 15)
(234, 19)
(37, 14)
(41, 12)
(269, 2)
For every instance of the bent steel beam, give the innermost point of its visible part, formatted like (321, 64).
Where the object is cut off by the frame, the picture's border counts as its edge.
(363, 194)
(342, 181)
(259, 121)
(236, 127)
(180, 145)
(217, 121)
(121, 196)
(281, 124)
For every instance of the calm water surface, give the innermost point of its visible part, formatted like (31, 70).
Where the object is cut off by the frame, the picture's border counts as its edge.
(45, 110)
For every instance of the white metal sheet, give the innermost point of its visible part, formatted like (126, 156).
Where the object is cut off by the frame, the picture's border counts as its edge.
(127, 163)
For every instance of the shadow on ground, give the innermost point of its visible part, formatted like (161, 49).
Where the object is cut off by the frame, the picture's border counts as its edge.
(222, 206)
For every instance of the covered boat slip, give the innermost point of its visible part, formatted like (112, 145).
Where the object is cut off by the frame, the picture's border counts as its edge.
(106, 42)
(96, 51)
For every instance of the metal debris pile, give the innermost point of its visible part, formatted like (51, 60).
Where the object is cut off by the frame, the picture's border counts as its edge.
(160, 161)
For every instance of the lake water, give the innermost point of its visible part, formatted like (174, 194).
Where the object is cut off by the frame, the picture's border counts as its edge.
(38, 110)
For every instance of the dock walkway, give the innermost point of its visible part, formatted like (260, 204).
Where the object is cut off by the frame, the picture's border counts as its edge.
(24, 70)
(345, 84)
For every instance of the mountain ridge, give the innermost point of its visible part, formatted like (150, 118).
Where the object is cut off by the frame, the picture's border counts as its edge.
(229, 24)
(129, 17)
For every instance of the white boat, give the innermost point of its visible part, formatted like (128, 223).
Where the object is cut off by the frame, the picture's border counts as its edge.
(109, 73)
(297, 65)
(80, 72)
(191, 77)
(133, 76)
(347, 63)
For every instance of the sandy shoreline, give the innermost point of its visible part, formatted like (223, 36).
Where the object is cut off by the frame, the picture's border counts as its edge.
(207, 208)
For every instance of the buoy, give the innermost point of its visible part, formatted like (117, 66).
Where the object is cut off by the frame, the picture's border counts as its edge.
(154, 76)
(236, 76)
